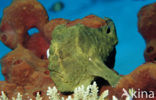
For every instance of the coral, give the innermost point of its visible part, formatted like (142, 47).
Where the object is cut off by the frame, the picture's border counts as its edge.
(88, 48)
(80, 93)
(18, 18)
(147, 28)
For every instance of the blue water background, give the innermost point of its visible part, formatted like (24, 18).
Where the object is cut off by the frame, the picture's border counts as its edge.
(124, 14)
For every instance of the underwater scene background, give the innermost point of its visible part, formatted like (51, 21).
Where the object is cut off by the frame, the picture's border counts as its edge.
(131, 45)
(78, 50)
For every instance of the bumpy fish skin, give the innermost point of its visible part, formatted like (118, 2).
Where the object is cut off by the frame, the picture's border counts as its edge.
(78, 53)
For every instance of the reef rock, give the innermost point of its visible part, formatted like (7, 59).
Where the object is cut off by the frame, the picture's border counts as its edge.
(18, 18)
(78, 53)
(142, 80)
(38, 45)
(50, 26)
(146, 22)
(25, 73)
(147, 28)
(91, 21)
(150, 51)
